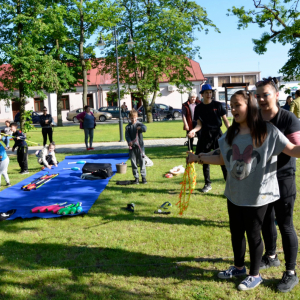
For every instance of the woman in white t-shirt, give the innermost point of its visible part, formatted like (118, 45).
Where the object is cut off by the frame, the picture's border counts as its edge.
(249, 151)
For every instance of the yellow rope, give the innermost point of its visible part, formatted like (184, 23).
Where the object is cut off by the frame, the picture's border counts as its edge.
(189, 178)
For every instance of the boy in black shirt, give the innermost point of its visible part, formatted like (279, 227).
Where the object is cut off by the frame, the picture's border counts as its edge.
(22, 152)
(209, 115)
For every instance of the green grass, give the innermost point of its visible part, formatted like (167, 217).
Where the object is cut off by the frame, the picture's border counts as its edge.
(114, 254)
(109, 133)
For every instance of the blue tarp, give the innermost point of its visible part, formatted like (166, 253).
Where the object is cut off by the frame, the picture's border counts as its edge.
(66, 187)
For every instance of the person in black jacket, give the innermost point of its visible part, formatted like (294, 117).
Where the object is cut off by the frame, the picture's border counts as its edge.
(22, 152)
(46, 124)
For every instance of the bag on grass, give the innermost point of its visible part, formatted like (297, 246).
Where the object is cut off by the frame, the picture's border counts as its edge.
(104, 170)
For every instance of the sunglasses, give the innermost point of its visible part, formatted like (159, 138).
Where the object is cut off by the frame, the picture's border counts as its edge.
(266, 81)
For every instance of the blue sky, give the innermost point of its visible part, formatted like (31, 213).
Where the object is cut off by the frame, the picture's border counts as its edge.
(232, 49)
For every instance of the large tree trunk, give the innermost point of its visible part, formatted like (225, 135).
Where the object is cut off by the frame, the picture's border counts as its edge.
(59, 109)
(81, 54)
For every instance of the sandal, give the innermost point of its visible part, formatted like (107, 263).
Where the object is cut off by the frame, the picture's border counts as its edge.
(164, 208)
(130, 207)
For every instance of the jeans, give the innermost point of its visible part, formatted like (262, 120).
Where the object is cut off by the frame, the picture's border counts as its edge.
(5, 139)
(88, 132)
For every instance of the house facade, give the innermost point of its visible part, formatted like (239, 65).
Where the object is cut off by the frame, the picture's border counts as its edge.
(100, 94)
(216, 80)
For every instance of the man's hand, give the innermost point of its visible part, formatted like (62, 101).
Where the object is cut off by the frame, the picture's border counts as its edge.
(186, 127)
(139, 128)
(191, 134)
(130, 144)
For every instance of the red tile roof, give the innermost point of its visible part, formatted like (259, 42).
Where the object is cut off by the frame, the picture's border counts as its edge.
(94, 77)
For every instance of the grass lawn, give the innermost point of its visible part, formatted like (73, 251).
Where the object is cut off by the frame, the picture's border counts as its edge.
(109, 133)
(114, 254)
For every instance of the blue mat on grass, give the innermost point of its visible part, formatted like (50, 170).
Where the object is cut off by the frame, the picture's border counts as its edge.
(66, 187)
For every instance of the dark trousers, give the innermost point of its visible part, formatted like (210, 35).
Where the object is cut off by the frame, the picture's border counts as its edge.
(46, 131)
(246, 219)
(190, 143)
(202, 147)
(283, 210)
(22, 156)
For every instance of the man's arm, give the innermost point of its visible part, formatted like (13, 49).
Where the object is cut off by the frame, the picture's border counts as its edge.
(226, 122)
(196, 129)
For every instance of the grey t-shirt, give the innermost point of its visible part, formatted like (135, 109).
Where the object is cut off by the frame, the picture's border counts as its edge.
(251, 179)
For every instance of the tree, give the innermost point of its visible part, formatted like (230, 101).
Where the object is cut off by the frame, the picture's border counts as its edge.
(163, 33)
(83, 18)
(24, 66)
(283, 23)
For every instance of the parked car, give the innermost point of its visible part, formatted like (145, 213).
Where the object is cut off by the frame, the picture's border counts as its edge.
(164, 110)
(35, 117)
(224, 105)
(113, 110)
(101, 116)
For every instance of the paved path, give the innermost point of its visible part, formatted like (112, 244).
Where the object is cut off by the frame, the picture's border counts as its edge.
(110, 146)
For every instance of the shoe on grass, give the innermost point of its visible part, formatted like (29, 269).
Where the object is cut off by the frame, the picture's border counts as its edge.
(8, 184)
(144, 180)
(249, 283)
(268, 262)
(232, 272)
(135, 181)
(206, 188)
(24, 172)
(288, 282)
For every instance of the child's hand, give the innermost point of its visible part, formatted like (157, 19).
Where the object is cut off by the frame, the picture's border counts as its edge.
(18, 138)
(49, 167)
(139, 128)
(191, 134)
(130, 144)
(191, 157)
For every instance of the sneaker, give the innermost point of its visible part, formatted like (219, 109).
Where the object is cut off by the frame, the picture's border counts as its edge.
(288, 282)
(206, 188)
(144, 180)
(250, 282)
(8, 184)
(136, 181)
(268, 262)
(24, 172)
(92, 148)
(232, 271)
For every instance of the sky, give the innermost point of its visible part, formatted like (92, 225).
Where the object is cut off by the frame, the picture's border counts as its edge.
(232, 49)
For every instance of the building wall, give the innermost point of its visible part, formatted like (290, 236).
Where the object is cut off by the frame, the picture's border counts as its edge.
(173, 98)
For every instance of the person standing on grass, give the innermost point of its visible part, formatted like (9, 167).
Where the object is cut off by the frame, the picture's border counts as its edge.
(295, 105)
(209, 115)
(188, 109)
(4, 162)
(88, 124)
(7, 131)
(288, 102)
(22, 152)
(124, 111)
(267, 97)
(134, 137)
(135, 103)
(46, 124)
(248, 150)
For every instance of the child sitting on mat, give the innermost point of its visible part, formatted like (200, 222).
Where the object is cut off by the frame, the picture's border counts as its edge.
(134, 138)
(46, 156)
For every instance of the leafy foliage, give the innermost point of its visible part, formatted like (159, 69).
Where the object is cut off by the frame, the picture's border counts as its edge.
(163, 36)
(282, 19)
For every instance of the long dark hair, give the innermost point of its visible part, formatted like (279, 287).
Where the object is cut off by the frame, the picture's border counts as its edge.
(257, 126)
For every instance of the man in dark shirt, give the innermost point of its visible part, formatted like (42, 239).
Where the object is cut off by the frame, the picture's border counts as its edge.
(209, 115)
(46, 124)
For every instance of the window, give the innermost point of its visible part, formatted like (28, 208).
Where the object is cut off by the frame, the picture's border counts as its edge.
(66, 102)
(38, 104)
(112, 98)
(90, 100)
(223, 79)
(251, 79)
(236, 79)
(221, 96)
(210, 81)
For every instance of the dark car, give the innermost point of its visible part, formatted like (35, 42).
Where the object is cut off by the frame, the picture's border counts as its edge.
(224, 105)
(113, 110)
(164, 110)
(35, 117)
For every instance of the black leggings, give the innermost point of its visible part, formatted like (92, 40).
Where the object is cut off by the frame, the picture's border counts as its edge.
(46, 131)
(283, 210)
(246, 219)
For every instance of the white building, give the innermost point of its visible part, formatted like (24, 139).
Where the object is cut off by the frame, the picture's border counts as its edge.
(99, 95)
(216, 80)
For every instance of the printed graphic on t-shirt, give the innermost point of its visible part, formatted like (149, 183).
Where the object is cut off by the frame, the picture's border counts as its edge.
(242, 164)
